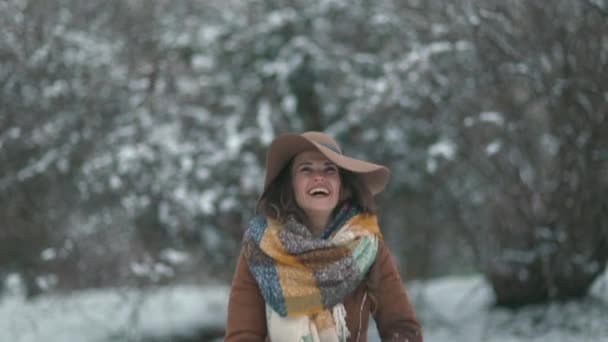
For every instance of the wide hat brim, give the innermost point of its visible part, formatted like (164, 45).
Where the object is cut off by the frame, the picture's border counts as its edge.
(286, 146)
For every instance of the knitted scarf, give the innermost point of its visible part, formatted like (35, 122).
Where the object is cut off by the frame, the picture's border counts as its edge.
(304, 278)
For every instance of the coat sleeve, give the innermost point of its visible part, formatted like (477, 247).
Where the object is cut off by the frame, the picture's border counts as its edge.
(246, 310)
(393, 311)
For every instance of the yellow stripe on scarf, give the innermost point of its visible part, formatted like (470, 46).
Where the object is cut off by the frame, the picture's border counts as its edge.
(364, 224)
(271, 244)
(302, 296)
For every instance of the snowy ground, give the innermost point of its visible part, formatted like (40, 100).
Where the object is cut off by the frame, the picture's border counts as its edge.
(451, 310)
(460, 309)
(113, 315)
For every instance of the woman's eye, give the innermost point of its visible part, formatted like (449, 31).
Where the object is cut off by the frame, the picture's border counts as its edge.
(305, 169)
(331, 170)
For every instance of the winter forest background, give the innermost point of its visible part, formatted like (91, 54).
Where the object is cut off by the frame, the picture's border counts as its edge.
(133, 133)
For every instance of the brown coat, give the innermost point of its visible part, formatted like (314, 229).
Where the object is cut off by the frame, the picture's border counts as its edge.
(382, 294)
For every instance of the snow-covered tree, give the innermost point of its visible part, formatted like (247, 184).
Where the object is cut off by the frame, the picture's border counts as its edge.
(132, 133)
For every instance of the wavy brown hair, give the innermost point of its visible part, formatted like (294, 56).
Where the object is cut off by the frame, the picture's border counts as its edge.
(278, 201)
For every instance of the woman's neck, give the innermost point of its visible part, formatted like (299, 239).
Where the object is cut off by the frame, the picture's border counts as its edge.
(317, 223)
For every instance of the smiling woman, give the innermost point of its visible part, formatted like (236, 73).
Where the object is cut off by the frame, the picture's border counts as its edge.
(313, 264)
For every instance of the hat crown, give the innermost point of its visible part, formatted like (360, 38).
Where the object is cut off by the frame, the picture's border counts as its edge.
(324, 140)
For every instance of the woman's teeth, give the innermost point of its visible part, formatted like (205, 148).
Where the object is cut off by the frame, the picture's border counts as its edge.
(318, 191)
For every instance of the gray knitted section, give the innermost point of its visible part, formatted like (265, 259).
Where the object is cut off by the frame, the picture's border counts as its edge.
(297, 239)
(336, 281)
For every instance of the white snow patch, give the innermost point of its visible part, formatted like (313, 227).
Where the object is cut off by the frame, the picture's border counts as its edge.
(492, 117)
(444, 148)
(493, 148)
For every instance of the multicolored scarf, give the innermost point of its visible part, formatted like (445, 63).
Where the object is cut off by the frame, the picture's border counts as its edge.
(304, 278)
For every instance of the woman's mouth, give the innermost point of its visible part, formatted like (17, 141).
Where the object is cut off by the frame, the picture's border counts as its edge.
(318, 192)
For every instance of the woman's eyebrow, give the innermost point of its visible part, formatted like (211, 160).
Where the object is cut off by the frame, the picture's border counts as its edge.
(304, 163)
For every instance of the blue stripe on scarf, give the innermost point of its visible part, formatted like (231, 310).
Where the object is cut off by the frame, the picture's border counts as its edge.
(256, 228)
(266, 275)
(268, 282)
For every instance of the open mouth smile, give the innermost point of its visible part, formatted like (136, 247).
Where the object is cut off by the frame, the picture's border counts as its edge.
(319, 192)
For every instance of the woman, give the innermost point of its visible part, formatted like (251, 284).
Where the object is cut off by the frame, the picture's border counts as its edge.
(313, 264)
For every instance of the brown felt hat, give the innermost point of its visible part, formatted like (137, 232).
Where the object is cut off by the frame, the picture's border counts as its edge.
(287, 146)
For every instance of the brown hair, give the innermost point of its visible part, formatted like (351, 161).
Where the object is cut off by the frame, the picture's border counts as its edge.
(278, 201)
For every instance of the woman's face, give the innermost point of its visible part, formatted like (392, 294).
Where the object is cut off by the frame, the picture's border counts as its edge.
(316, 183)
